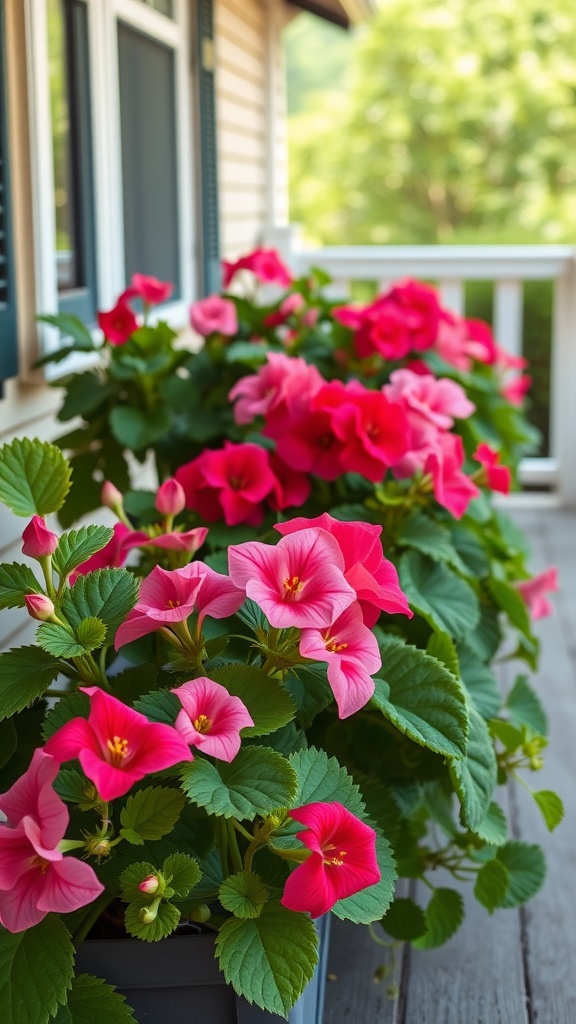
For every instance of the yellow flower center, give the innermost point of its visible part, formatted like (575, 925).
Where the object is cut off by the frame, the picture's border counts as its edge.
(292, 585)
(118, 750)
(337, 860)
(173, 604)
(202, 723)
(41, 863)
(332, 645)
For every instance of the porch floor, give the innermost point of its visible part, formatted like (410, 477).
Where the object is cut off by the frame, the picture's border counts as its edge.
(518, 966)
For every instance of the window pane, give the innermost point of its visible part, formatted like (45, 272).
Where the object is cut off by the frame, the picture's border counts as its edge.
(149, 172)
(66, 256)
(164, 6)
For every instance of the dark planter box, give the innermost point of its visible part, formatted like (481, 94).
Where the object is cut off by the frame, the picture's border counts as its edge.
(177, 981)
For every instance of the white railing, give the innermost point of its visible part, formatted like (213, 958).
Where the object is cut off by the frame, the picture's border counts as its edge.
(507, 266)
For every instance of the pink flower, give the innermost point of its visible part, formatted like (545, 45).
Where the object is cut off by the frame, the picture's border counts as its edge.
(230, 483)
(39, 541)
(299, 582)
(170, 498)
(431, 403)
(189, 541)
(534, 592)
(265, 264)
(150, 289)
(149, 885)
(217, 595)
(496, 476)
(342, 861)
(293, 303)
(214, 315)
(211, 718)
(310, 445)
(381, 328)
(420, 304)
(351, 651)
(40, 607)
(114, 553)
(118, 324)
(35, 878)
(482, 344)
(281, 391)
(515, 390)
(452, 488)
(116, 746)
(373, 578)
(291, 489)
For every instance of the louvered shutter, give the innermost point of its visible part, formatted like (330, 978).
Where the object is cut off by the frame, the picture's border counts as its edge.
(208, 152)
(8, 342)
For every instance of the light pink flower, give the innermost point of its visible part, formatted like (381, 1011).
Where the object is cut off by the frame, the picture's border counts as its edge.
(342, 861)
(280, 391)
(40, 607)
(534, 592)
(39, 541)
(116, 746)
(299, 582)
(452, 488)
(211, 718)
(110, 496)
(35, 878)
(165, 597)
(118, 324)
(351, 651)
(497, 477)
(217, 596)
(431, 403)
(515, 390)
(214, 315)
(189, 541)
(369, 573)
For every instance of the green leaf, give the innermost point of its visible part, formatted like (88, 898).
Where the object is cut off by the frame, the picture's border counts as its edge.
(34, 477)
(266, 699)
(36, 968)
(91, 633)
(84, 394)
(76, 705)
(79, 545)
(71, 786)
(509, 600)
(444, 915)
(71, 326)
(551, 806)
(243, 894)
(404, 920)
(59, 640)
(430, 538)
(151, 813)
(371, 904)
(322, 779)
(491, 884)
(441, 647)
(166, 921)
(258, 781)
(131, 877)
(474, 777)
(487, 636)
(439, 595)
(310, 690)
(159, 706)
(107, 594)
(470, 549)
(15, 581)
(92, 1001)
(135, 429)
(25, 673)
(493, 829)
(526, 867)
(182, 873)
(525, 708)
(269, 959)
(8, 741)
(250, 352)
(479, 681)
(421, 698)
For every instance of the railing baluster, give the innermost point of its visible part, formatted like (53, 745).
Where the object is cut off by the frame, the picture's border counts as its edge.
(563, 384)
(452, 295)
(508, 315)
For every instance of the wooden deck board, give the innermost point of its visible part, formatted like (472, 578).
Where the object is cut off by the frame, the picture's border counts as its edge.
(516, 967)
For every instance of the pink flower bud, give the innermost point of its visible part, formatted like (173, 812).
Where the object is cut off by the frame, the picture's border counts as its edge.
(110, 496)
(170, 499)
(39, 541)
(149, 885)
(40, 607)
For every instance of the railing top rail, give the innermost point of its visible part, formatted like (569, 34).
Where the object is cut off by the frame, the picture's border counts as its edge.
(457, 262)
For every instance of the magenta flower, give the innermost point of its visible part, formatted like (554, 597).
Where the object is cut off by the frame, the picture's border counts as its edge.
(265, 264)
(217, 596)
(114, 553)
(190, 540)
(118, 324)
(515, 390)
(211, 718)
(310, 445)
(299, 582)
(369, 573)
(230, 483)
(35, 878)
(281, 391)
(165, 597)
(351, 651)
(39, 541)
(149, 289)
(534, 592)
(214, 315)
(342, 859)
(291, 489)
(452, 488)
(431, 403)
(497, 477)
(116, 746)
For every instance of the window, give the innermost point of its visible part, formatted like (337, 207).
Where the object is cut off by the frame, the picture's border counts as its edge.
(8, 343)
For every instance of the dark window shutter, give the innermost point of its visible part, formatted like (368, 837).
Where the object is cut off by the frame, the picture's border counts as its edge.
(211, 272)
(8, 340)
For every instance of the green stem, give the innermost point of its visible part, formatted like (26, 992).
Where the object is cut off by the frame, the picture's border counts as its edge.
(96, 909)
(222, 844)
(233, 847)
(240, 828)
(46, 565)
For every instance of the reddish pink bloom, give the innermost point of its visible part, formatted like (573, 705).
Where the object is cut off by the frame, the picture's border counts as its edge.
(39, 607)
(497, 477)
(299, 582)
(351, 650)
(420, 304)
(35, 878)
(291, 489)
(217, 596)
(452, 488)
(170, 498)
(230, 483)
(481, 337)
(150, 289)
(382, 328)
(293, 303)
(280, 391)
(515, 390)
(165, 597)
(118, 324)
(149, 885)
(311, 446)
(116, 746)
(373, 578)
(189, 541)
(534, 592)
(342, 861)
(114, 553)
(39, 541)
(214, 315)
(211, 718)
(460, 342)
(265, 264)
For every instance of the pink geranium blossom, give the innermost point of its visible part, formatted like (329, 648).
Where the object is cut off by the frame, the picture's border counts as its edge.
(280, 391)
(373, 578)
(452, 488)
(515, 390)
(291, 489)
(217, 595)
(116, 746)
(39, 541)
(230, 483)
(118, 324)
(214, 315)
(534, 592)
(211, 718)
(431, 403)
(310, 445)
(496, 476)
(150, 289)
(351, 651)
(293, 303)
(35, 877)
(342, 860)
(299, 582)
(265, 264)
